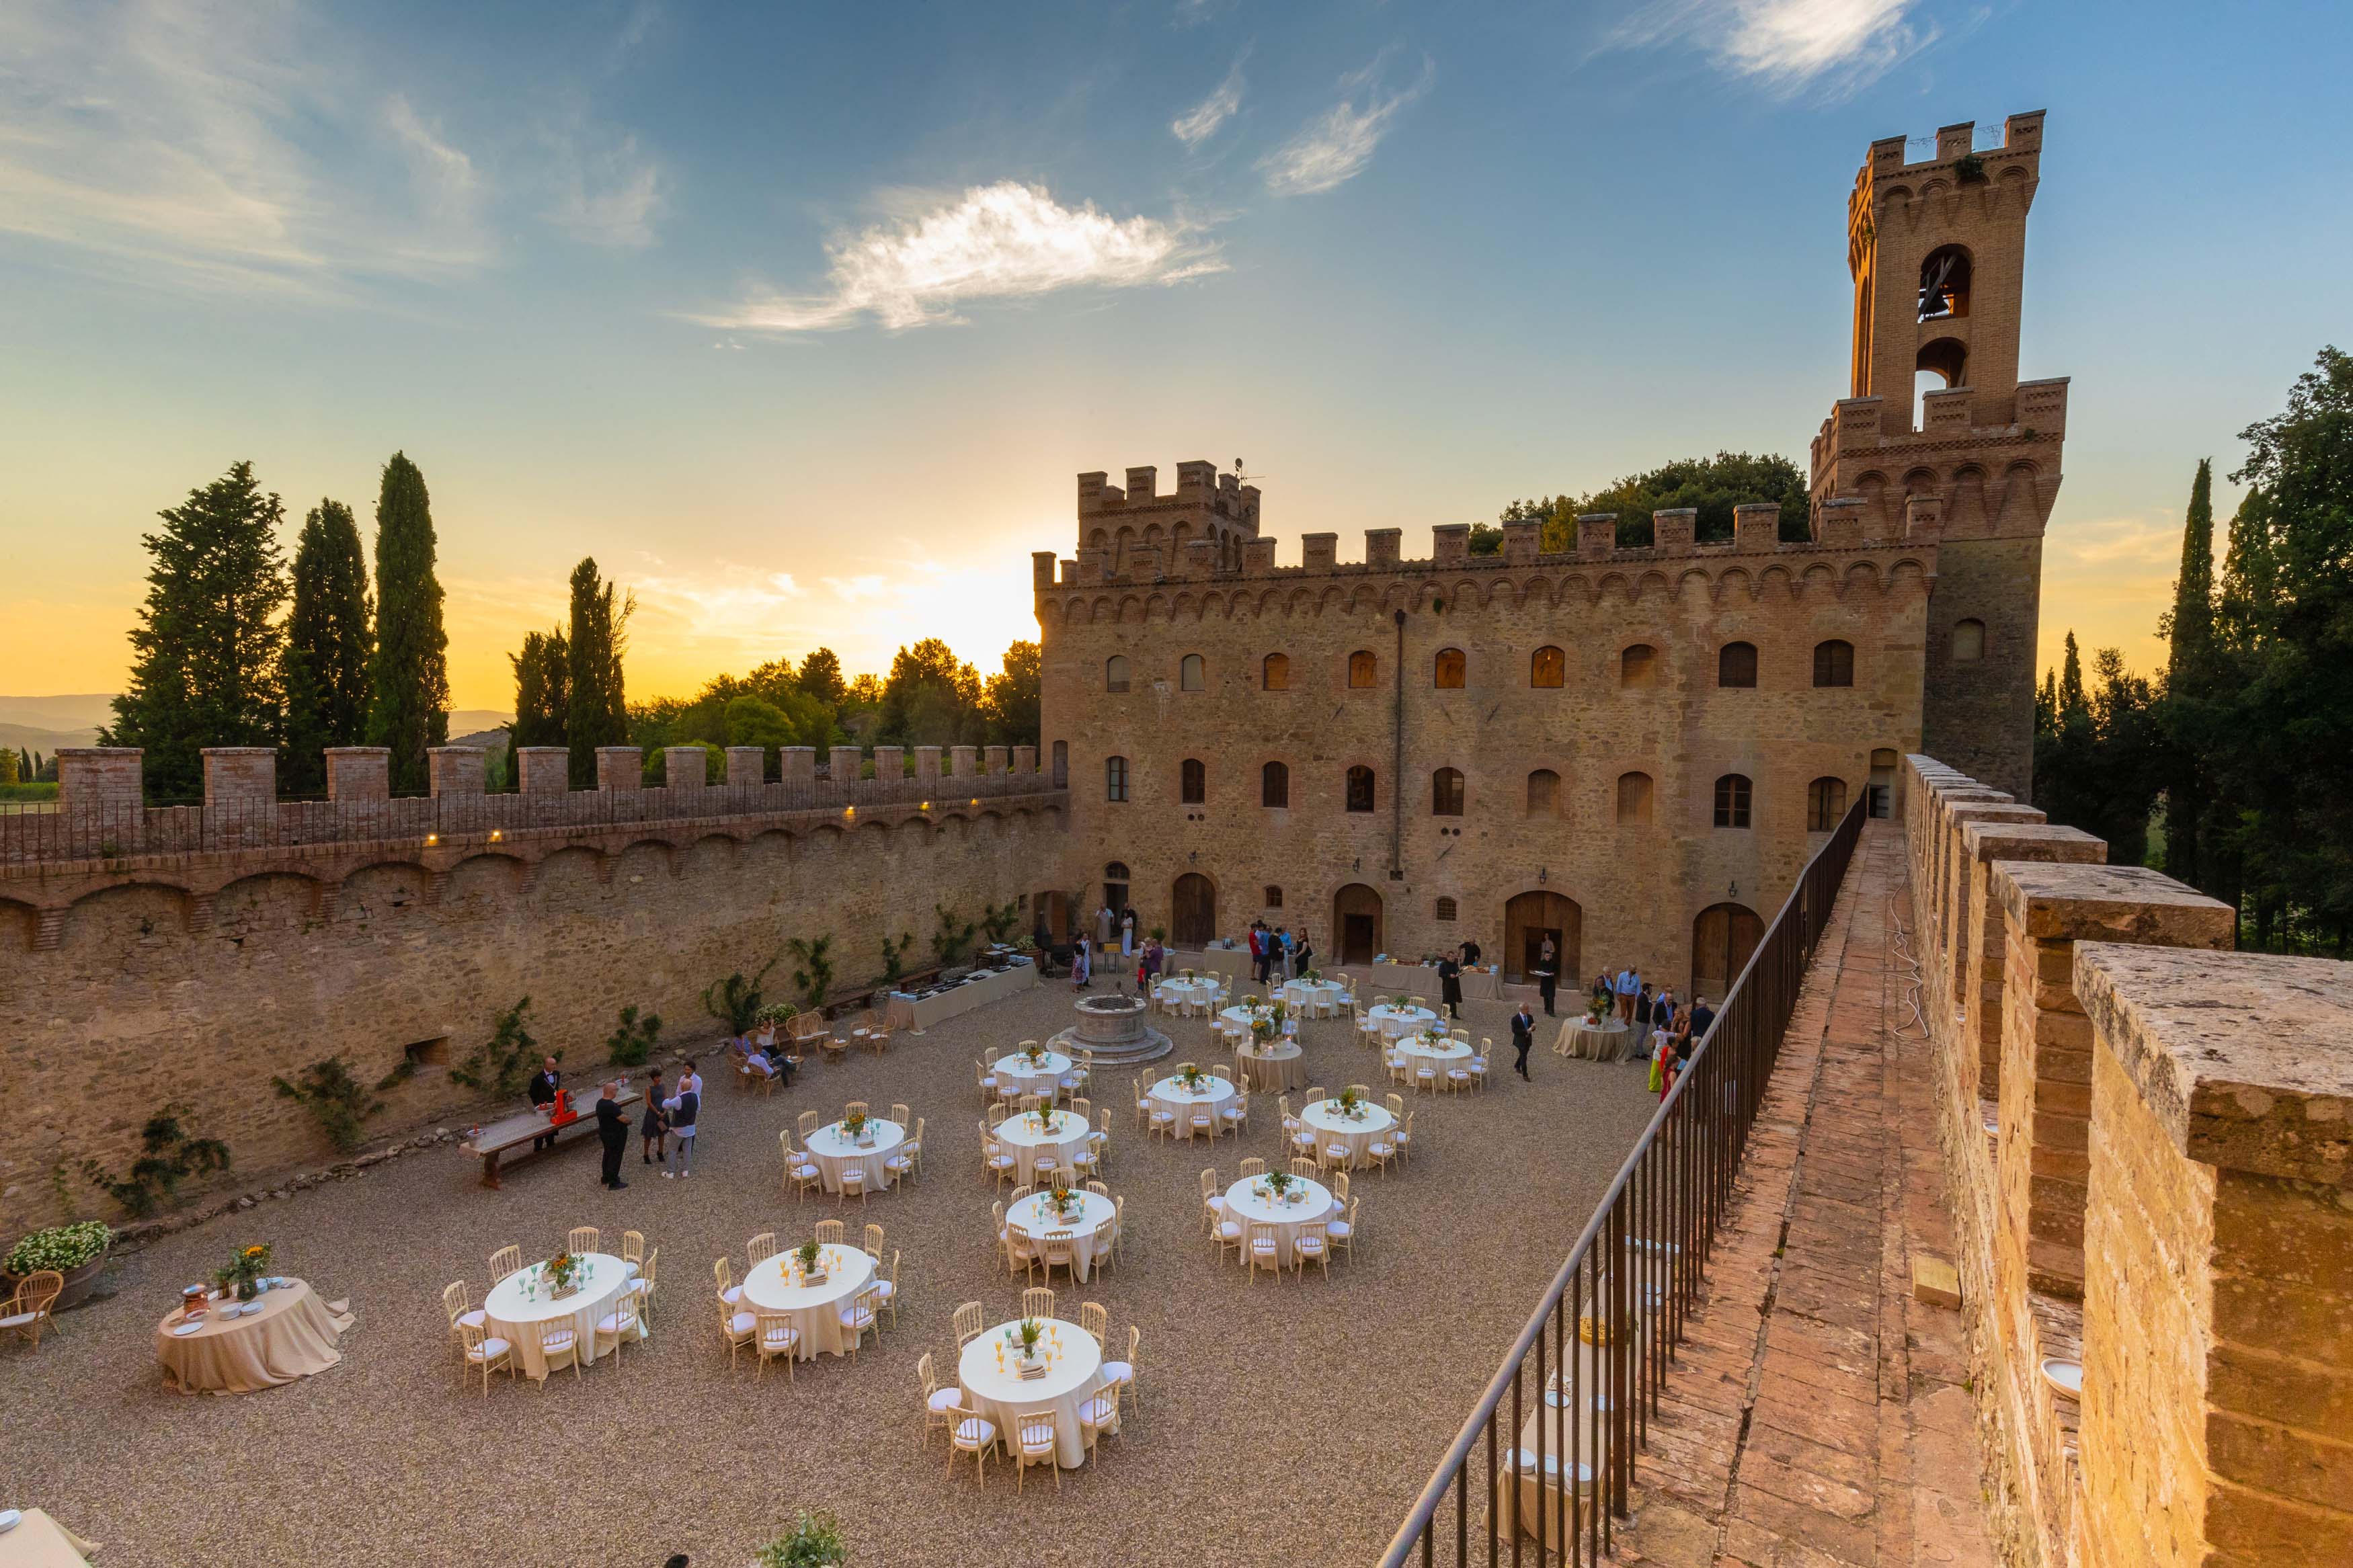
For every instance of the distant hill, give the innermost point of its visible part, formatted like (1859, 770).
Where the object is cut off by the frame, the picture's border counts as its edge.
(47, 724)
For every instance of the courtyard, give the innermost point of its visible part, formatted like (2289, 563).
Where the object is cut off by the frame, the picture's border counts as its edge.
(1277, 1422)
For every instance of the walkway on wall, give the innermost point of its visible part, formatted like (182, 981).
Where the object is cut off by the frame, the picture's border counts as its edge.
(1820, 1414)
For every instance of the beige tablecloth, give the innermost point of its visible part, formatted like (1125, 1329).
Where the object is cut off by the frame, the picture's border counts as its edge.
(922, 1013)
(40, 1542)
(1611, 1042)
(1214, 1095)
(522, 1303)
(1332, 1129)
(1479, 984)
(1021, 1138)
(1282, 1065)
(292, 1336)
(995, 1392)
(1090, 1226)
(1015, 1076)
(776, 1286)
(1233, 962)
(835, 1152)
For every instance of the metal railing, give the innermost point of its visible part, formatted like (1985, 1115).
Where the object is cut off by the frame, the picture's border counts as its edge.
(1594, 1357)
(127, 830)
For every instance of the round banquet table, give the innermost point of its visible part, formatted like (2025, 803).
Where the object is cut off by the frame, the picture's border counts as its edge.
(1441, 1053)
(1396, 1021)
(40, 1542)
(1245, 1205)
(996, 1392)
(519, 1304)
(1333, 1129)
(835, 1153)
(776, 1286)
(1015, 1076)
(1609, 1041)
(1197, 993)
(1173, 1097)
(292, 1336)
(1277, 1065)
(1090, 1226)
(1315, 993)
(1021, 1135)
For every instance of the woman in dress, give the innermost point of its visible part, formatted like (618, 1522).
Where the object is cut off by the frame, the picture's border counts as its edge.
(654, 1127)
(1082, 961)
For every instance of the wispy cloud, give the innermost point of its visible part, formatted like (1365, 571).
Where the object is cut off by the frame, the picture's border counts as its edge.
(1201, 121)
(1192, 13)
(1003, 241)
(608, 193)
(867, 585)
(1337, 144)
(1790, 46)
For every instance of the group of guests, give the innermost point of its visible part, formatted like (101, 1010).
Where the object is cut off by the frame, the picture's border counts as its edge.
(1277, 955)
(761, 1052)
(671, 1113)
(1672, 1030)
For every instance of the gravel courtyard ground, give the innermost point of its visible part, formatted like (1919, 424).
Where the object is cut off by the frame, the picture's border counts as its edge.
(1289, 1423)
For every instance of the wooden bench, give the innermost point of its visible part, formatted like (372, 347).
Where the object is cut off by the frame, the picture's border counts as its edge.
(495, 1142)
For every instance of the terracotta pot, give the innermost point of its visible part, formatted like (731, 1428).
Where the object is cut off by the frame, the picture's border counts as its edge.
(80, 1282)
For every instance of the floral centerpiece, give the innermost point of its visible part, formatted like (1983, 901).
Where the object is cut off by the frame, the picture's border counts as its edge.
(1313, 977)
(1261, 1029)
(1280, 1011)
(1033, 1053)
(1351, 1105)
(246, 1268)
(853, 1126)
(1058, 1198)
(1029, 1333)
(812, 1257)
(1253, 1001)
(1188, 976)
(1044, 1116)
(1191, 1079)
(1279, 1183)
(563, 1272)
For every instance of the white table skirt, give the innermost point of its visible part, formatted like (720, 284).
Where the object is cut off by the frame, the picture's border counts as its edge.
(1090, 1228)
(1016, 1073)
(1215, 1093)
(1282, 1065)
(1000, 1396)
(510, 1315)
(1394, 1022)
(815, 1309)
(834, 1153)
(1247, 1210)
(1323, 998)
(1024, 1141)
(1190, 993)
(1331, 1128)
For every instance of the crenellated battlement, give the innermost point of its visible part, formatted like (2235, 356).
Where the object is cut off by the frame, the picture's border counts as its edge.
(1878, 180)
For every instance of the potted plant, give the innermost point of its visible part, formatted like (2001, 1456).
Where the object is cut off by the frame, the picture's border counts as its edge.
(564, 1273)
(1031, 1331)
(815, 1541)
(76, 1251)
(246, 1267)
(810, 1255)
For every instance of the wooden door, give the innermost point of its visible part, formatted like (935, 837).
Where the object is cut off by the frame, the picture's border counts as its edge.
(1723, 938)
(1357, 918)
(1194, 903)
(1528, 919)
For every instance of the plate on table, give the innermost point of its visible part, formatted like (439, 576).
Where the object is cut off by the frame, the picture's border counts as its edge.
(184, 1329)
(2066, 1377)
(8, 1517)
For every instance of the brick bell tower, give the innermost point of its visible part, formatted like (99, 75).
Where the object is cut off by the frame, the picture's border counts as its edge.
(1939, 253)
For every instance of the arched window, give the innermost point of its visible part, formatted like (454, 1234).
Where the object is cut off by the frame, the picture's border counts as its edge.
(1274, 674)
(1188, 673)
(1115, 886)
(1275, 898)
(1736, 665)
(1825, 804)
(1446, 793)
(1546, 666)
(1732, 801)
(1449, 677)
(1193, 782)
(1362, 668)
(1633, 798)
(1446, 909)
(1360, 788)
(1835, 663)
(1116, 673)
(1274, 785)
(1945, 283)
(1968, 641)
(1638, 666)
(1114, 778)
(1544, 792)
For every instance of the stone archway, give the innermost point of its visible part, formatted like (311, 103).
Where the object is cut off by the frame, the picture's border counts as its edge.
(1193, 910)
(1356, 924)
(1528, 919)
(1723, 938)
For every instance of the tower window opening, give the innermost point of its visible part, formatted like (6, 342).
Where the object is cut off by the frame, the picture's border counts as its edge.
(1944, 284)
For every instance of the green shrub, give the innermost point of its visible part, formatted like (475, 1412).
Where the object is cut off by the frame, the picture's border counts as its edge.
(63, 1247)
(633, 1043)
(498, 1066)
(894, 955)
(815, 1542)
(813, 971)
(735, 1001)
(335, 1098)
(168, 1156)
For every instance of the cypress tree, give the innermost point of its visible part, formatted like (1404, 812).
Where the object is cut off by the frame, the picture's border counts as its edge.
(2190, 629)
(327, 644)
(820, 676)
(408, 676)
(209, 645)
(542, 678)
(596, 709)
(2073, 706)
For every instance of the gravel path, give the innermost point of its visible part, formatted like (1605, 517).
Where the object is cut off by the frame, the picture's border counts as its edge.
(1279, 1424)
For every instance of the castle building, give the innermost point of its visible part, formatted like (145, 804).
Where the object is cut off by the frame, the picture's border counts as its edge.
(1631, 751)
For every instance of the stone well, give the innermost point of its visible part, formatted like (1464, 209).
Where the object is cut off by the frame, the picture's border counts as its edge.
(1113, 1027)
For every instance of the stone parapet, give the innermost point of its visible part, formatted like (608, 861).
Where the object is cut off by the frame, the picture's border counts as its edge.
(620, 768)
(543, 770)
(241, 777)
(360, 773)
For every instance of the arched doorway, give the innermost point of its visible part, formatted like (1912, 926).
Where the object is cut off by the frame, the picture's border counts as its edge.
(1722, 936)
(1194, 903)
(1528, 919)
(1115, 889)
(1356, 924)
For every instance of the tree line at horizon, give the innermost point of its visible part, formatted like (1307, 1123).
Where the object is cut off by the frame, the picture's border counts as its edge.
(2232, 769)
(233, 647)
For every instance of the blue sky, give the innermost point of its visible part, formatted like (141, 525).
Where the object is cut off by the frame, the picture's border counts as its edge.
(801, 318)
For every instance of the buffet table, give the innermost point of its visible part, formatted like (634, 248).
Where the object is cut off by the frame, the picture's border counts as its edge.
(291, 1335)
(916, 1014)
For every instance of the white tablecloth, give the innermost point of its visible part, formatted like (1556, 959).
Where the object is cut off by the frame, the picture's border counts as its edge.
(1396, 1021)
(1317, 994)
(835, 1152)
(1331, 1127)
(1246, 1206)
(519, 1304)
(1199, 993)
(775, 1285)
(1045, 1077)
(1417, 1049)
(1608, 1041)
(1020, 1135)
(1090, 1224)
(995, 1392)
(1280, 1065)
(1169, 1095)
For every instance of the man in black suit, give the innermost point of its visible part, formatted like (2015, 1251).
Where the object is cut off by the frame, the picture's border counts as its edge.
(543, 1085)
(1702, 1015)
(612, 1131)
(1547, 973)
(1523, 1035)
(1450, 986)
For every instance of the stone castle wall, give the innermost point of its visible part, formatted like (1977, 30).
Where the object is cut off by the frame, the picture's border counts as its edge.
(191, 976)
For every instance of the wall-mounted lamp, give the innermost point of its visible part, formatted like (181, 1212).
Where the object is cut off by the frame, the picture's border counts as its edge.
(1732, 891)
(1543, 874)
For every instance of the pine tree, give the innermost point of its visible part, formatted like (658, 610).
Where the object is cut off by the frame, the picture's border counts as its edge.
(208, 646)
(408, 676)
(597, 712)
(328, 639)
(2190, 629)
(820, 676)
(542, 680)
(2073, 706)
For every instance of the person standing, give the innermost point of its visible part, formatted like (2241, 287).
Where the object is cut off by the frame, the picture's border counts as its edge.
(1103, 927)
(1450, 984)
(682, 1108)
(1306, 954)
(1081, 963)
(1523, 1035)
(653, 1130)
(1547, 973)
(543, 1085)
(1127, 934)
(1257, 951)
(612, 1131)
(1702, 1015)
(1629, 985)
(1469, 955)
(1642, 1010)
